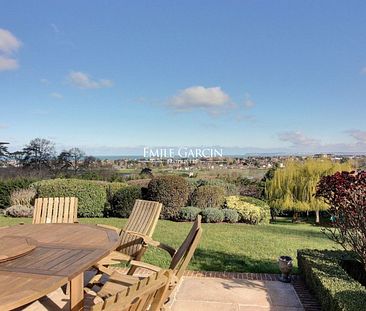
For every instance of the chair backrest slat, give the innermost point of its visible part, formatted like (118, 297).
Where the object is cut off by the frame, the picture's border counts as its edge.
(143, 295)
(55, 210)
(143, 219)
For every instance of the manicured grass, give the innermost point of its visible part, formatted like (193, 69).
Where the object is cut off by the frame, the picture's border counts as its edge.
(228, 247)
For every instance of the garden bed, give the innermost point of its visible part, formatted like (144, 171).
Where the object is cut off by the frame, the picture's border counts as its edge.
(334, 287)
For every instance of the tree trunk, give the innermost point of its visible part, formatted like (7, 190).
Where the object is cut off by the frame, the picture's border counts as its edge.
(317, 217)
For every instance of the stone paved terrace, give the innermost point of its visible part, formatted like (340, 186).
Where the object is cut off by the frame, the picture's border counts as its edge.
(213, 291)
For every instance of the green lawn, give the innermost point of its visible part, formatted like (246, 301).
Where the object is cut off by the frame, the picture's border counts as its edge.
(227, 247)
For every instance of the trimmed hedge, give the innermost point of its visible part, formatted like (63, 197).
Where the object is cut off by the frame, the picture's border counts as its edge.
(7, 186)
(92, 195)
(208, 196)
(123, 201)
(230, 215)
(212, 215)
(170, 190)
(189, 213)
(336, 290)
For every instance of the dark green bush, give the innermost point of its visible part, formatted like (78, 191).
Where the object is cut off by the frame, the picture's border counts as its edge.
(336, 290)
(212, 215)
(208, 196)
(230, 215)
(170, 190)
(92, 195)
(123, 201)
(7, 186)
(189, 213)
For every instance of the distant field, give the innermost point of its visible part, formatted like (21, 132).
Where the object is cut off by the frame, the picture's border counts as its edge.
(227, 247)
(205, 173)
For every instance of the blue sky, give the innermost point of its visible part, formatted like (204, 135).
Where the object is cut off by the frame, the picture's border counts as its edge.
(250, 76)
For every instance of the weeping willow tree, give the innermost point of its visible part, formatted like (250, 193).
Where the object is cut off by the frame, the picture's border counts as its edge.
(293, 187)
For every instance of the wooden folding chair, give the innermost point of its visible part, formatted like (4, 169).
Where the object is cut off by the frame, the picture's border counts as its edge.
(120, 293)
(141, 224)
(55, 210)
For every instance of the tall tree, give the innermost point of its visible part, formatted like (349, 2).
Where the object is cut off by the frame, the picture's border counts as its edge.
(38, 154)
(4, 153)
(76, 156)
(70, 159)
(293, 187)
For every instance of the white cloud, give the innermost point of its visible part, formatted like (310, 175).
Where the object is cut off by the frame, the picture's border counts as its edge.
(8, 63)
(9, 44)
(84, 81)
(56, 95)
(359, 135)
(297, 139)
(212, 99)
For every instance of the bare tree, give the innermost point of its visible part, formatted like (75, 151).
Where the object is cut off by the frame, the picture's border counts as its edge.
(38, 154)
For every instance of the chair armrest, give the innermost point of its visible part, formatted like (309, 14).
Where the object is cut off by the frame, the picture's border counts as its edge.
(144, 265)
(118, 230)
(149, 241)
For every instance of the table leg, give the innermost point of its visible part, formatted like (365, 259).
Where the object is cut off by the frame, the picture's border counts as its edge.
(77, 293)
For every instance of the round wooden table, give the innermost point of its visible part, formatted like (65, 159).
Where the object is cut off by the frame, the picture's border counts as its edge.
(62, 254)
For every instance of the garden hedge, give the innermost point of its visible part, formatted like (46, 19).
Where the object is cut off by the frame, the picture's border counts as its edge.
(170, 190)
(92, 194)
(335, 289)
(123, 201)
(208, 196)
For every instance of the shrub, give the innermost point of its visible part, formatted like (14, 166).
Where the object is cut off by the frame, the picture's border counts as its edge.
(92, 195)
(9, 185)
(19, 211)
(189, 213)
(212, 215)
(123, 201)
(265, 210)
(23, 197)
(251, 210)
(112, 188)
(230, 215)
(346, 194)
(208, 196)
(171, 191)
(335, 289)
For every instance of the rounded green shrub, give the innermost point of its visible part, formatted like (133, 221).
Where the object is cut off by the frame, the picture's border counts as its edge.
(230, 215)
(208, 196)
(123, 201)
(170, 190)
(92, 195)
(251, 210)
(212, 215)
(189, 213)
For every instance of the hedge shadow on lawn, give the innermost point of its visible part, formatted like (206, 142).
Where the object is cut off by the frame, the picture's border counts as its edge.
(296, 232)
(211, 260)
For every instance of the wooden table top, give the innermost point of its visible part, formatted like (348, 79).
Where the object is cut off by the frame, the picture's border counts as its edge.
(63, 252)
